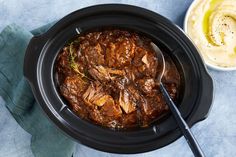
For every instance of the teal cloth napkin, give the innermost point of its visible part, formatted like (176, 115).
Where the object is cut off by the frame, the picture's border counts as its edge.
(47, 140)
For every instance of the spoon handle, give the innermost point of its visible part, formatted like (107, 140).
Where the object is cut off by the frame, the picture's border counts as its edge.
(192, 142)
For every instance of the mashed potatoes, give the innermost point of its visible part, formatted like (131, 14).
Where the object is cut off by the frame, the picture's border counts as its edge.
(212, 27)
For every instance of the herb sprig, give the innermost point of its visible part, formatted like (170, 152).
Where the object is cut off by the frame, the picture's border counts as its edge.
(73, 64)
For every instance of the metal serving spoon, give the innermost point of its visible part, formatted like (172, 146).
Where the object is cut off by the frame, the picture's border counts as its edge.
(192, 142)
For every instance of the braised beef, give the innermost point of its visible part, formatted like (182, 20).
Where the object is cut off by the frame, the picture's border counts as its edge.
(109, 78)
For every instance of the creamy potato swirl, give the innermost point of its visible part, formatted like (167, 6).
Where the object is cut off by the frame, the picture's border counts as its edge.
(212, 27)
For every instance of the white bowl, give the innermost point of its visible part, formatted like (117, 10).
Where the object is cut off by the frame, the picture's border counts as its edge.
(194, 3)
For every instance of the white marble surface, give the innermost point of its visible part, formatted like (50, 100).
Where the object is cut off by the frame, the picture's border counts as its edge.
(216, 135)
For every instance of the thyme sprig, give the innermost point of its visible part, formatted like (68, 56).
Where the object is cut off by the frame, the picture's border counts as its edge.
(73, 64)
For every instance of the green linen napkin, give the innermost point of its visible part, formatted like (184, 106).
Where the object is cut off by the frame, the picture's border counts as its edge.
(47, 140)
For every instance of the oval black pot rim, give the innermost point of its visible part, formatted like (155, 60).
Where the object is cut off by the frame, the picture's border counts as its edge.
(38, 43)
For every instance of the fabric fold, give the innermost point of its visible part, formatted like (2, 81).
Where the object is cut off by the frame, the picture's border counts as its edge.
(47, 140)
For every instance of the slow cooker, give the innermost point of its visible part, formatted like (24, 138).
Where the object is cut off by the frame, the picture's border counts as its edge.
(196, 90)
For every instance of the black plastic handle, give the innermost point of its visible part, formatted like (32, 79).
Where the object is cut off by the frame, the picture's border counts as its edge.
(192, 142)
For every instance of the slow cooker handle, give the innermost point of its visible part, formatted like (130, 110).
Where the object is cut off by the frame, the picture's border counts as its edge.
(205, 104)
(31, 57)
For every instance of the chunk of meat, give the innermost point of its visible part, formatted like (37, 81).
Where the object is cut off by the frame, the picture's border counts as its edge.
(96, 116)
(73, 85)
(131, 73)
(130, 120)
(134, 93)
(99, 73)
(72, 89)
(102, 73)
(119, 84)
(111, 110)
(155, 106)
(95, 95)
(125, 52)
(100, 101)
(111, 54)
(145, 62)
(146, 85)
(120, 53)
(126, 103)
(138, 98)
(94, 55)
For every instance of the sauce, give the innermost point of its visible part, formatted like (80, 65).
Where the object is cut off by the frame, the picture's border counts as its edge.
(108, 78)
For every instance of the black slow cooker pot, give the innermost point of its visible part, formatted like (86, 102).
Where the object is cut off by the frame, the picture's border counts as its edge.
(196, 92)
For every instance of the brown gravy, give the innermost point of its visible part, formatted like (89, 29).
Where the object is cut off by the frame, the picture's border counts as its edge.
(108, 78)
